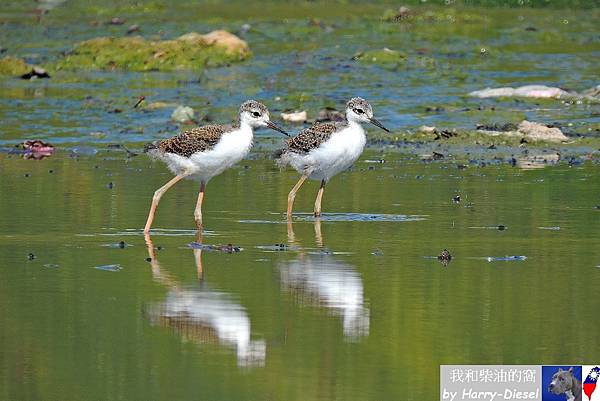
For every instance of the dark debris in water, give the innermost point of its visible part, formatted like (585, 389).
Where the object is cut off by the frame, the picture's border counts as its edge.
(120, 245)
(229, 248)
(36, 72)
(500, 227)
(444, 257)
(278, 247)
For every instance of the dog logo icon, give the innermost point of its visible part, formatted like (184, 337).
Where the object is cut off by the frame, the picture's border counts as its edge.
(562, 383)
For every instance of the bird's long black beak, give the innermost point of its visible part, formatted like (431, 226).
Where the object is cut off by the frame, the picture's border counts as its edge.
(272, 125)
(378, 124)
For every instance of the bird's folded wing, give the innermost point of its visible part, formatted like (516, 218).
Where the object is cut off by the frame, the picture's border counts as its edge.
(199, 139)
(312, 137)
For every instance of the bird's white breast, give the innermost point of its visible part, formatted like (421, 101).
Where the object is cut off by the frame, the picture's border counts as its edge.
(231, 148)
(338, 153)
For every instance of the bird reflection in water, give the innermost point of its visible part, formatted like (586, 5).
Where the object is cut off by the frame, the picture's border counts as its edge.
(202, 315)
(322, 279)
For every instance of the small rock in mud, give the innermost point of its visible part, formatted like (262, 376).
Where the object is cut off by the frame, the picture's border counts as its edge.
(295, 116)
(36, 72)
(133, 28)
(540, 132)
(183, 114)
(116, 21)
(536, 91)
(427, 129)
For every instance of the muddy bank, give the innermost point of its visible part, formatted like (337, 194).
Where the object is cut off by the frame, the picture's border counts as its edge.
(191, 51)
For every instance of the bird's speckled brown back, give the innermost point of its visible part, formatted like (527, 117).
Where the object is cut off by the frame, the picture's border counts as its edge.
(199, 139)
(312, 137)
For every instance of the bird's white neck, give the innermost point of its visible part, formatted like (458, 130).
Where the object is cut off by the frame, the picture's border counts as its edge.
(246, 127)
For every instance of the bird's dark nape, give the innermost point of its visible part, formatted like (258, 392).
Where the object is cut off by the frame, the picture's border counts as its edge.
(278, 153)
(150, 146)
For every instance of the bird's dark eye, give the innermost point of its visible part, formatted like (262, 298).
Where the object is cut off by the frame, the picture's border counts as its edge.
(359, 111)
(256, 114)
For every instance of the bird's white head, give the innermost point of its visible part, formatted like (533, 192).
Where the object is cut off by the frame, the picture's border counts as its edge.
(256, 115)
(358, 110)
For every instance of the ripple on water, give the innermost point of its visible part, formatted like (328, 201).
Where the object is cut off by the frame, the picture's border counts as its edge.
(109, 268)
(167, 232)
(361, 217)
(344, 217)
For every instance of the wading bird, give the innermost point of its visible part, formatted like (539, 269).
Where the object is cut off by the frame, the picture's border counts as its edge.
(204, 152)
(325, 149)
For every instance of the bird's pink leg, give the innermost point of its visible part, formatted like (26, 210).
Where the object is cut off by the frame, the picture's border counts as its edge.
(292, 195)
(156, 198)
(319, 198)
(198, 211)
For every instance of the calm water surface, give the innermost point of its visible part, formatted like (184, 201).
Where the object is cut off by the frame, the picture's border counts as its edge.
(351, 307)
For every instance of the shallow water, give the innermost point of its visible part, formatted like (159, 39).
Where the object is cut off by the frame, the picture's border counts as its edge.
(344, 308)
(352, 306)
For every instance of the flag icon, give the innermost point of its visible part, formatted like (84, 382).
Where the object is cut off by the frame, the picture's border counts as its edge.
(589, 384)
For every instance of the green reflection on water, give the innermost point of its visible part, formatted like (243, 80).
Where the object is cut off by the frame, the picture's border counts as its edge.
(90, 334)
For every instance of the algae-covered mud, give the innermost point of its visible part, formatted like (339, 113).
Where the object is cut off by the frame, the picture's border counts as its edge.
(417, 69)
(469, 234)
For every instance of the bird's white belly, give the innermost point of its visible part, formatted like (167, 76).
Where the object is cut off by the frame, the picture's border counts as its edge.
(232, 148)
(334, 156)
